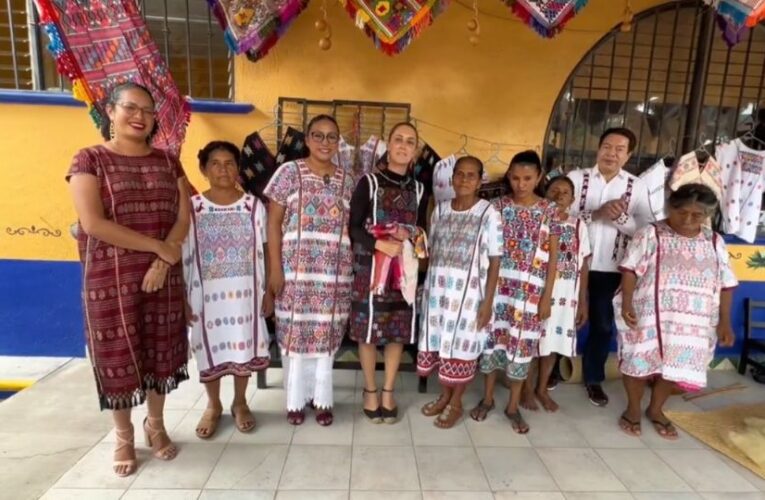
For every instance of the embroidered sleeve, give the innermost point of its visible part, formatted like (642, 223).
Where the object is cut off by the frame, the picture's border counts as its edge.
(586, 216)
(359, 213)
(727, 277)
(492, 233)
(583, 242)
(282, 184)
(640, 251)
(84, 162)
(555, 226)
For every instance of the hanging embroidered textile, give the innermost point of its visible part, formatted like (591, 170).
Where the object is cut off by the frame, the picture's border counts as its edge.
(253, 27)
(736, 17)
(256, 165)
(393, 24)
(547, 17)
(99, 44)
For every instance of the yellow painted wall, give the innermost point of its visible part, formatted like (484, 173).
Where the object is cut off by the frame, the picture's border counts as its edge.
(38, 143)
(502, 90)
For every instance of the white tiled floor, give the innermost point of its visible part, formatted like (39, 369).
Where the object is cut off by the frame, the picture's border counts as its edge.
(578, 453)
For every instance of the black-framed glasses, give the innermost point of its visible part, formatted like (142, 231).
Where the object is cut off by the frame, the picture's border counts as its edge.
(331, 138)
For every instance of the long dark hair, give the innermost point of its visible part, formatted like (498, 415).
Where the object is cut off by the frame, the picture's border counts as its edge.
(526, 158)
(114, 97)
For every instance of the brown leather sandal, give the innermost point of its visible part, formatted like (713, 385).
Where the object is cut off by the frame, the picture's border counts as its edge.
(244, 420)
(449, 417)
(435, 407)
(209, 421)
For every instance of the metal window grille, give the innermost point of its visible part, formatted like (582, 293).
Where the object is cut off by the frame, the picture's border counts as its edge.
(186, 34)
(358, 120)
(672, 80)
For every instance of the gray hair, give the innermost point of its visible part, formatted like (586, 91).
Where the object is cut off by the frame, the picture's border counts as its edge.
(689, 194)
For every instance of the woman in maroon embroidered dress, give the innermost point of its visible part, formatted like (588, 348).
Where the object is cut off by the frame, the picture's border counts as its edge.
(133, 212)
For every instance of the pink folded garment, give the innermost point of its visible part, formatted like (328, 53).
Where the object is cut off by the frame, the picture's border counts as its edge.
(387, 270)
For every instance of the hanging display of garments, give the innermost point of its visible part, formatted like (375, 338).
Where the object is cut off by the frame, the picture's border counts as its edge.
(655, 178)
(689, 170)
(743, 177)
(442, 179)
(256, 165)
(100, 44)
(425, 165)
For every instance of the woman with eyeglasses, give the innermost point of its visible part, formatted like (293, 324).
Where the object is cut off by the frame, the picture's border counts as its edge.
(132, 205)
(310, 268)
(388, 212)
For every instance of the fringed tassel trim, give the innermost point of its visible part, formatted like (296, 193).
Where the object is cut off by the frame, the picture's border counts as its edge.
(138, 395)
(393, 46)
(542, 29)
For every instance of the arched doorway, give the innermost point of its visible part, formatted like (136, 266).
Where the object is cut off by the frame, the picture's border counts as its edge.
(650, 79)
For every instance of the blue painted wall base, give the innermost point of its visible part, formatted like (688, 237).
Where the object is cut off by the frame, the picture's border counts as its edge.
(40, 309)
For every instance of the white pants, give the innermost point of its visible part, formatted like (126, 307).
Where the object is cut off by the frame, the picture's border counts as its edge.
(307, 379)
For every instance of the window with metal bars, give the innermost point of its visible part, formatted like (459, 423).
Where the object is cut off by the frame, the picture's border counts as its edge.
(185, 33)
(358, 120)
(671, 79)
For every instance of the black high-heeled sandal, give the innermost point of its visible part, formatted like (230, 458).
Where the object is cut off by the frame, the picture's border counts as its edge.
(389, 415)
(375, 415)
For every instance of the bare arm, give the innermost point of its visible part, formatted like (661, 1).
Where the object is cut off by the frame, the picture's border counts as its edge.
(487, 304)
(552, 266)
(629, 282)
(725, 335)
(180, 229)
(275, 272)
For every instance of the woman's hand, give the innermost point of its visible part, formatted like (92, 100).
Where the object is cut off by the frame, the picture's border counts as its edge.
(581, 313)
(170, 252)
(484, 315)
(155, 277)
(629, 315)
(268, 304)
(391, 248)
(402, 233)
(545, 307)
(275, 282)
(725, 335)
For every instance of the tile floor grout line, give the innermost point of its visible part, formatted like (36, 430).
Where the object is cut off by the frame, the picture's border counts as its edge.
(603, 459)
(475, 451)
(414, 447)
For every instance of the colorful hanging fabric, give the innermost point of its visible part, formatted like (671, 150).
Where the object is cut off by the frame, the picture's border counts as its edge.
(393, 24)
(99, 44)
(741, 12)
(253, 27)
(425, 165)
(547, 17)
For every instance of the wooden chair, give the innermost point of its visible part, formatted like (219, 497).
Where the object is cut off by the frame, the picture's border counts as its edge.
(752, 345)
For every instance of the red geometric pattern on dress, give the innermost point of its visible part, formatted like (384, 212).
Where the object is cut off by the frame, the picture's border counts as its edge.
(427, 361)
(453, 372)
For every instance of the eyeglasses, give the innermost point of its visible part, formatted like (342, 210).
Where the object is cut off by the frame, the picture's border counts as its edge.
(332, 138)
(132, 109)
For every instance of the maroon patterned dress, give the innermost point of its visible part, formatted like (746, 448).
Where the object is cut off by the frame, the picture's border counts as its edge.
(137, 341)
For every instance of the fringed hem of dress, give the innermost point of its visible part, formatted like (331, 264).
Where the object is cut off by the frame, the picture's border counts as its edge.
(236, 369)
(498, 360)
(136, 397)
